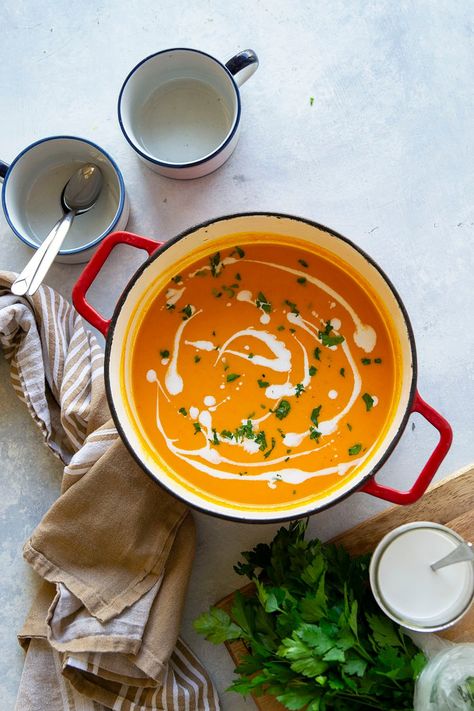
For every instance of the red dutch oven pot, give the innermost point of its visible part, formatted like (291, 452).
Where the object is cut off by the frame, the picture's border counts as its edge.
(168, 256)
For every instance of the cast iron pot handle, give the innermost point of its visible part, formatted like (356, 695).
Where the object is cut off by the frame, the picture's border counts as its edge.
(243, 65)
(3, 170)
(431, 466)
(94, 266)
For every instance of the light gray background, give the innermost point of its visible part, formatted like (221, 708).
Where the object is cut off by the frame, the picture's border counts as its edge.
(385, 156)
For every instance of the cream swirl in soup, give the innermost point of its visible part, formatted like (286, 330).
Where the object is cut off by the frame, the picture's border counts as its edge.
(263, 375)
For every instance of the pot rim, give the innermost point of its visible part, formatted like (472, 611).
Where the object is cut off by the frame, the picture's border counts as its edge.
(358, 483)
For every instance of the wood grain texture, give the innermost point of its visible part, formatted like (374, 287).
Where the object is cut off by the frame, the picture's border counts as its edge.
(449, 502)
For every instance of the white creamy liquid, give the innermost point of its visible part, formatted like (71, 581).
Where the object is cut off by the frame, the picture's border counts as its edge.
(183, 120)
(412, 590)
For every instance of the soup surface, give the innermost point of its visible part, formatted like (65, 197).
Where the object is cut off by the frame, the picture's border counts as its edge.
(263, 375)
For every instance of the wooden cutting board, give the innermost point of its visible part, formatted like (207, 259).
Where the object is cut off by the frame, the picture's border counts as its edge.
(450, 502)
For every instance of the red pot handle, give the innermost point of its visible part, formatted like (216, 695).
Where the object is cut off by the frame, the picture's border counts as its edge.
(431, 466)
(94, 266)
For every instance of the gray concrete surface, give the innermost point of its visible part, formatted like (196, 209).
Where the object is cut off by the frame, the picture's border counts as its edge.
(384, 155)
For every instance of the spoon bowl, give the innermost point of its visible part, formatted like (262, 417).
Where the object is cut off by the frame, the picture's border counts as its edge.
(82, 190)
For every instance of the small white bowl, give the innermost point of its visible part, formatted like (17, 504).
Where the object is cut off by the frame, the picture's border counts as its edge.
(405, 586)
(32, 189)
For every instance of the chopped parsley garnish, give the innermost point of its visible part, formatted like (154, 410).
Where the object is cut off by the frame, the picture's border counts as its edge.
(187, 311)
(170, 307)
(302, 280)
(267, 454)
(280, 327)
(215, 263)
(263, 303)
(262, 383)
(293, 307)
(239, 251)
(283, 409)
(327, 339)
(197, 358)
(213, 333)
(197, 427)
(317, 353)
(303, 263)
(165, 353)
(311, 100)
(312, 370)
(183, 411)
(355, 449)
(250, 355)
(244, 431)
(230, 290)
(217, 293)
(349, 426)
(215, 439)
(369, 401)
(292, 330)
(314, 434)
(232, 376)
(377, 360)
(261, 440)
(227, 434)
(365, 361)
(238, 277)
(201, 273)
(315, 415)
(342, 372)
(177, 279)
(299, 389)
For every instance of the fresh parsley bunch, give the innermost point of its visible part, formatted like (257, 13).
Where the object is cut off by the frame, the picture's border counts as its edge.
(315, 636)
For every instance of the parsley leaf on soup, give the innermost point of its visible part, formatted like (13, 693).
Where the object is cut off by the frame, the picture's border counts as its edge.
(283, 409)
(327, 339)
(369, 401)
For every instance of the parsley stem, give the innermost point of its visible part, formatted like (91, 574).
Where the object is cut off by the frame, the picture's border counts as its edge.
(368, 701)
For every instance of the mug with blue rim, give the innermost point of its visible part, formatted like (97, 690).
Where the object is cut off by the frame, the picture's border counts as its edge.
(180, 109)
(32, 188)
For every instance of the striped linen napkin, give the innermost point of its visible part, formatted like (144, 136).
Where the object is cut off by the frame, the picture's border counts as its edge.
(115, 550)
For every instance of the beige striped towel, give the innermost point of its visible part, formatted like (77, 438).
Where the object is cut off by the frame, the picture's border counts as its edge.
(115, 550)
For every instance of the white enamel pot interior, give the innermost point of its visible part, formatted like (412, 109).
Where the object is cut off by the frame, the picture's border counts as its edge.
(172, 258)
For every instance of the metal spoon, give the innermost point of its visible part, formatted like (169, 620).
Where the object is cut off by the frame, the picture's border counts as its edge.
(461, 553)
(79, 194)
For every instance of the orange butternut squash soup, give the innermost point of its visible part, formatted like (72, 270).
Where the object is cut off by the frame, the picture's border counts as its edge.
(263, 375)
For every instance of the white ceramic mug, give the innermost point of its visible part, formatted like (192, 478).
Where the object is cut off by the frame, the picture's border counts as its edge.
(180, 110)
(32, 188)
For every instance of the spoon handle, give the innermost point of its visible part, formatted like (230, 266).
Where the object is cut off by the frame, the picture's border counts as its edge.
(33, 274)
(460, 554)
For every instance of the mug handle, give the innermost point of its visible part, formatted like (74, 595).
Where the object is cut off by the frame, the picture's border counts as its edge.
(3, 170)
(243, 65)
(387, 493)
(93, 267)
